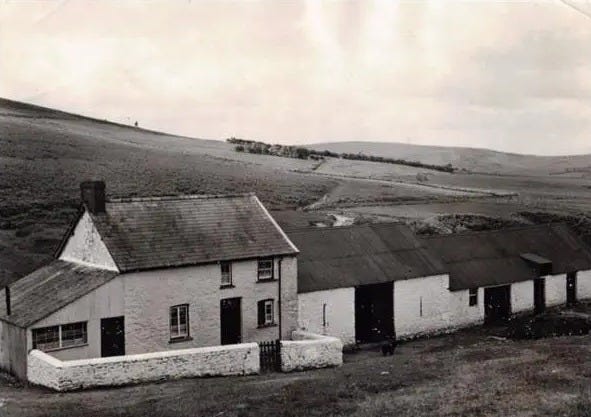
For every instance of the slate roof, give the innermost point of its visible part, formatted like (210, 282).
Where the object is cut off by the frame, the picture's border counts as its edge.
(149, 233)
(50, 288)
(343, 257)
(480, 259)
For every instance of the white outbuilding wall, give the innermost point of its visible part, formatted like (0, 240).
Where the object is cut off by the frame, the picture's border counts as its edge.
(584, 285)
(555, 290)
(339, 320)
(425, 305)
(522, 296)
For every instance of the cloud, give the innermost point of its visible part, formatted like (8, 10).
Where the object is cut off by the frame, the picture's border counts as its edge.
(510, 76)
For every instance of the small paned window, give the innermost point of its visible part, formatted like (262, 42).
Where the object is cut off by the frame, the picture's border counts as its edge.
(61, 336)
(265, 313)
(473, 296)
(226, 268)
(179, 321)
(265, 269)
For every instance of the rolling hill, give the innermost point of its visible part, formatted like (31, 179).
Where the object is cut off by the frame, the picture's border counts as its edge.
(45, 154)
(471, 159)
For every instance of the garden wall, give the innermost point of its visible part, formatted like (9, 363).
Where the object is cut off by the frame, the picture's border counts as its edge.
(309, 351)
(45, 370)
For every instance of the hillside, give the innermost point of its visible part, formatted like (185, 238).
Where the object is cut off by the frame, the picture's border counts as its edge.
(471, 159)
(45, 154)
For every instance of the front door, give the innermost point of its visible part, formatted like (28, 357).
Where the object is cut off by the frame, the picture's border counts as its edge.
(539, 295)
(112, 336)
(230, 321)
(374, 312)
(571, 288)
(497, 304)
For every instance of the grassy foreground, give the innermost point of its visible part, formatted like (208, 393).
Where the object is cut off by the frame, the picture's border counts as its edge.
(465, 374)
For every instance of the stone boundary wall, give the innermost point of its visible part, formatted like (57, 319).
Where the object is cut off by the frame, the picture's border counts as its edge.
(310, 351)
(45, 370)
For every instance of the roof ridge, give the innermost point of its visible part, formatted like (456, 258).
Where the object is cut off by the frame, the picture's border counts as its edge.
(504, 229)
(177, 197)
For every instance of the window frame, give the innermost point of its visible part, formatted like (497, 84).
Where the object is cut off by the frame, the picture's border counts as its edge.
(223, 283)
(76, 341)
(272, 269)
(178, 336)
(266, 320)
(472, 297)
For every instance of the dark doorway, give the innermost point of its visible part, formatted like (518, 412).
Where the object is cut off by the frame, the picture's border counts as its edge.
(231, 321)
(374, 312)
(497, 304)
(539, 295)
(571, 288)
(113, 336)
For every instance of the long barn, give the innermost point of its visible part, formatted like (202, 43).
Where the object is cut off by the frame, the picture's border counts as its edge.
(366, 283)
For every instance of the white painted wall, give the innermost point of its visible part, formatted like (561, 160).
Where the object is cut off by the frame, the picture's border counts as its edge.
(442, 310)
(309, 351)
(43, 369)
(145, 298)
(584, 285)
(522, 296)
(340, 313)
(85, 246)
(105, 301)
(555, 290)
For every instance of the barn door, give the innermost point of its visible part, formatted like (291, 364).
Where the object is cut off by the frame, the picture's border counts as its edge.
(497, 304)
(374, 312)
(539, 295)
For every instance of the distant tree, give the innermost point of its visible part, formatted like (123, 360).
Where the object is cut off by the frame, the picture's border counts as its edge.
(239, 148)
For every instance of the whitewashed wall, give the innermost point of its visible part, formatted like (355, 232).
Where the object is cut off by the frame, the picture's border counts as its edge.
(310, 351)
(555, 290)
(85, 246)
(45, 370)
(584, 285)
(340, 313)
(522, 296)
(105, 301)
(425, 305)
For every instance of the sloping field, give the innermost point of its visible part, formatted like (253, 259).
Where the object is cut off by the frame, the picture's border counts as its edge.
(472, 159)
(45, 154)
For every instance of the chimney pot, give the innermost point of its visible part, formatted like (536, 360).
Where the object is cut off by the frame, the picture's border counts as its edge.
(93, 196)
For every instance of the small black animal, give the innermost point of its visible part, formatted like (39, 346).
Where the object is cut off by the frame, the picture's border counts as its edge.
(389, 346)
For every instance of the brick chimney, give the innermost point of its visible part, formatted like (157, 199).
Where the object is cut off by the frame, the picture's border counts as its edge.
(93, 196)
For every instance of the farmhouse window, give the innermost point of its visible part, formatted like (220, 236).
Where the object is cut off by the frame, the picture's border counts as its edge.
(265, 269)
(473, 296)
(179, 321)
(62, 336)
(226, 268)
(265, 313)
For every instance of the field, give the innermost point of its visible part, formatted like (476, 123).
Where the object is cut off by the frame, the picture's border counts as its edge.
(45, 154)
(469, 373)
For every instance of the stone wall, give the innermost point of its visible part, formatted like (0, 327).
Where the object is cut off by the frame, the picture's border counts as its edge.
(309, 351)
(45, 370)
(555, 290)
(584, 285)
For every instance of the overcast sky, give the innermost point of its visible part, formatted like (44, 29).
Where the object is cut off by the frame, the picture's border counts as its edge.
(508, 76)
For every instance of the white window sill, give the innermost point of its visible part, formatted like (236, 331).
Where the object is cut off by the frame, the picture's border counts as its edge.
(63, 348)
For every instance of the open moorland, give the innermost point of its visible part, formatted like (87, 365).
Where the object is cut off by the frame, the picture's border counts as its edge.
(470, 373)
(45, 154)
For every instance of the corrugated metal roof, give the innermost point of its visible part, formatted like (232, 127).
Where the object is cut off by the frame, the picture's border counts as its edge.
(50, 288)
(166, 232)
(480, 259)
(343, 257)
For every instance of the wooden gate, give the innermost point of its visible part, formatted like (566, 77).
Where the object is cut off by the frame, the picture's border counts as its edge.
(270, 353)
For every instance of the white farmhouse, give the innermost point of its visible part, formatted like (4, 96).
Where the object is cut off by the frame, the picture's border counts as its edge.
(145, 275)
